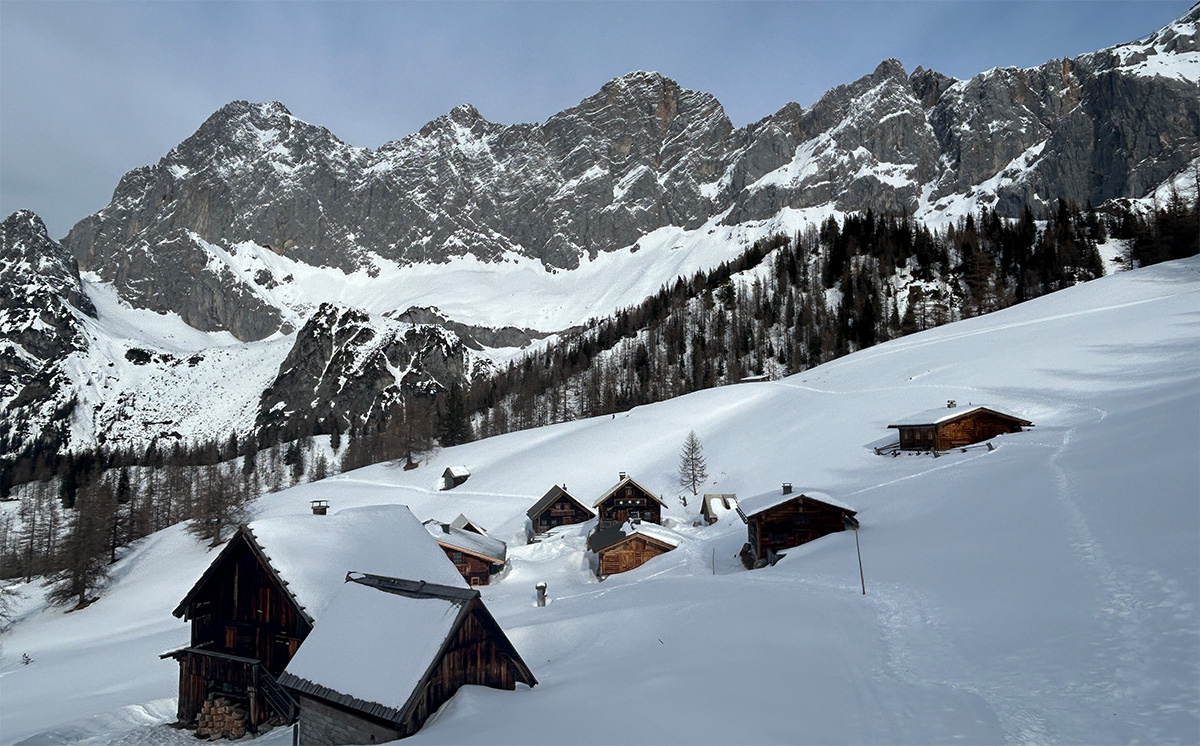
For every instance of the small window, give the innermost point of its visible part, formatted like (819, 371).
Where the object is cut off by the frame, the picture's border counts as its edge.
(458, 558)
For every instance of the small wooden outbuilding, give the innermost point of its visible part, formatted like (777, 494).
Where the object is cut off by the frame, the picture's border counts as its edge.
(628, 501)
(622, 548)
(454, 476)
(389, 653)
(476, 556)
(954, 427)
(466, 524)
(712, 506)
(557, 508)
(781, 520)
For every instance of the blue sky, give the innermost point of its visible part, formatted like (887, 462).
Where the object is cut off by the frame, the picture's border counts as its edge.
(90, 90)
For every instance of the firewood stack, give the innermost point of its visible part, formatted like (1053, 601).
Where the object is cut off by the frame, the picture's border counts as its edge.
(221, 718)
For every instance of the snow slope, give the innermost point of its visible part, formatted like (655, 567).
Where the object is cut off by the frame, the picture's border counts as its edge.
(1047, 591)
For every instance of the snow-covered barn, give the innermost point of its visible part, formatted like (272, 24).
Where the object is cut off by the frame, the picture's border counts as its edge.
(952, 426)
(628, 501)
(389, 652)
(780, 520)
(454, 476)
(713, 506)
(623, 548)
(476, 556)
(557, 508)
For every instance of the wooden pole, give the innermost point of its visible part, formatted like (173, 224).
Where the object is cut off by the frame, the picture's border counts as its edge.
(861, 577)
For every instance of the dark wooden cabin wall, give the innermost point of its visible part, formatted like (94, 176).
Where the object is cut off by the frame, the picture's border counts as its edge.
(793, 523)
(628, 555)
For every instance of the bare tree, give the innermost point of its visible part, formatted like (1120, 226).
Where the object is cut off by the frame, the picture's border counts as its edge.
(692, 466)
(83, 556)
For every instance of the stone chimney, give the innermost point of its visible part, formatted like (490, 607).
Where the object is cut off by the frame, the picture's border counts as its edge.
(787, 488)
(319, 507)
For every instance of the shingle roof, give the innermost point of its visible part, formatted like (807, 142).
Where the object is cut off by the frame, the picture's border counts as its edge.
(551, 497)
(468, 541)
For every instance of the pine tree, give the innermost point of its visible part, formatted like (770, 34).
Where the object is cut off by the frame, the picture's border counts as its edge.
(692, 465)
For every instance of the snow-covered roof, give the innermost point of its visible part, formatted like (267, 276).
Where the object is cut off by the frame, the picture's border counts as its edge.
(604, 538)
(355, 657)
(550, 497)
(374, 647)
(767, 500)
(467, 541)
(711, 503)
(937, 416)
(457, 472)
(624, 481)
(313, 553)
(467, 524)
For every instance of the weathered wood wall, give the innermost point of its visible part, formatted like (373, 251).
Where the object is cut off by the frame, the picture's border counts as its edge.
(561, 512)
(474, 570)
(629, 554)
(792, 523)
(630, 499)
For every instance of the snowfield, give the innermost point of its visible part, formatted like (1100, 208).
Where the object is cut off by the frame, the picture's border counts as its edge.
(1043, 592)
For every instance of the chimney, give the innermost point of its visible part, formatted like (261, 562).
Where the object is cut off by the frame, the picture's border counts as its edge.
(787, 488)
(445, 528)
(951, 404)
(319, 507)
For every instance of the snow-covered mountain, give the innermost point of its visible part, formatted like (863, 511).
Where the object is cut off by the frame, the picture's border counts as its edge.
(1046, 591)
(513, 232)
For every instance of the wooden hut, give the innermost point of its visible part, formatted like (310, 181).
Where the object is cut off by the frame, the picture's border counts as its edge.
(781, 520)
(954, 427)
(258, 601)
(622, 548)
(421, 641)
(628, 501)
(454, 476)
(713, 506)
(476, 556)
(557, 508)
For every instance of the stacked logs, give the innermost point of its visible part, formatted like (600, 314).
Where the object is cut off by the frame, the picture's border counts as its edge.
(220, 718)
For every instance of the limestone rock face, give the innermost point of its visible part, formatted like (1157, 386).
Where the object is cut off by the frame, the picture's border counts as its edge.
(42, 303)
(640, 154)
(347, 365)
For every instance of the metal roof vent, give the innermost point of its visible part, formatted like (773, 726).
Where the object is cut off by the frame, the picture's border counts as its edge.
(319, 507)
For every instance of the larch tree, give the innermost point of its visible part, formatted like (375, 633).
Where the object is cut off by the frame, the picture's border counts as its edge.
(693, 469)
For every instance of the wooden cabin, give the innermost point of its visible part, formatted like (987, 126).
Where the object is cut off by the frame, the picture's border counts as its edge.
(623, 548)
(258, 601)
(781, 520)
(477, 557)
(628, 501)
(712, 506)
(954, 427)
(454, 476)
(430, 639)
(557, 508)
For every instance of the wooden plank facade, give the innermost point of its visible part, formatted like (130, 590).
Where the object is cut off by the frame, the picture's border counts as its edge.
(631, 552)
(475, 569)
(629, 501)
(792, 522)
(557, 508)
(245, 628)
(957, 430)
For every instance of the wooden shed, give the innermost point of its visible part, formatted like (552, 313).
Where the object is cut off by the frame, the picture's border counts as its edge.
(628, 501)
(713, 506)
(476, 556)
(389, 652)
(622, 548)
(557, 508)
(454, 476)
(258, 601)
(954, 427)
(781, 520)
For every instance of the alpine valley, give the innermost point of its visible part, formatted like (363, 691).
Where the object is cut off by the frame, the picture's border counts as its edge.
(267, 280)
